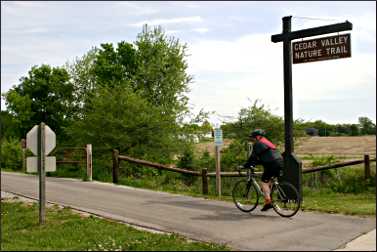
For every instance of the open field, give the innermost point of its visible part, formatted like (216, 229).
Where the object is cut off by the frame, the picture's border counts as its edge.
(355, 146)
(346, 146)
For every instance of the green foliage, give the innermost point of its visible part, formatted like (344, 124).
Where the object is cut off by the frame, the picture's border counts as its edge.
(206, 161)
(117, 118)
(115, 66)
(82, 77)
(339, 180)
(161, 75)
(186, 161)
(367, 127)
(132, 96)
(352, 181)
(323, 160)
(9, 126)
(11, 154)
(45, 95)
(255, 116)
(233, 156)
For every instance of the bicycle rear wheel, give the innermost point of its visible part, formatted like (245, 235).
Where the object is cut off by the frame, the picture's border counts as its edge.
(245, 196)
(285, 199)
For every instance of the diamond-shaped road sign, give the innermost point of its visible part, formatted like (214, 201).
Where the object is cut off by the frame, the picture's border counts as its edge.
(32, 140)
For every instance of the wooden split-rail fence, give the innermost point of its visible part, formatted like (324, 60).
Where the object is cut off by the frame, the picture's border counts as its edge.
(204, 174)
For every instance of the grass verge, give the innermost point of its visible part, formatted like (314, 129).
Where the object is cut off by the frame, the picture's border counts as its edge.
(65, 230)
(363, 204)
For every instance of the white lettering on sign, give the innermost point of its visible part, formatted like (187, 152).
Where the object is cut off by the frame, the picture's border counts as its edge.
(322, 49)
(334, 41)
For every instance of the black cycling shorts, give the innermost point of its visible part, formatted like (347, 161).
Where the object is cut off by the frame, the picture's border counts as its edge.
(271, 169)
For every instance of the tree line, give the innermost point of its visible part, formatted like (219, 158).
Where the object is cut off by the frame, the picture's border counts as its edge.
(133, 97)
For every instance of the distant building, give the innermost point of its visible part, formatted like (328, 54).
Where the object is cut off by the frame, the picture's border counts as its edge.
(312, 131)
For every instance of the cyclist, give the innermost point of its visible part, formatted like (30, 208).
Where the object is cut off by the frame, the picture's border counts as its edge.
(265, 153)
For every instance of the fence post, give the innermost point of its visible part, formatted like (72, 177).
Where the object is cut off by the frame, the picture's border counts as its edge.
(89, 163)
(115, 166)
(366, 166)
(204, 181)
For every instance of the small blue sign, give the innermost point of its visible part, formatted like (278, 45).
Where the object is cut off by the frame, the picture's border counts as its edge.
(218, 137)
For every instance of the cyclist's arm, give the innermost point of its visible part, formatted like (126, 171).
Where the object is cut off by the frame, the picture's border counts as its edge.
(252, 160)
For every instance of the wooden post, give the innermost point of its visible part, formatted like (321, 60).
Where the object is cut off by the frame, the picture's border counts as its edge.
(204, 181)
(218, 171)
(89, 163)
(115, 166)
(367, 166)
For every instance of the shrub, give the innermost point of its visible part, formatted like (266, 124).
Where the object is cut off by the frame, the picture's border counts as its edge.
(186, 161)
(11, 154)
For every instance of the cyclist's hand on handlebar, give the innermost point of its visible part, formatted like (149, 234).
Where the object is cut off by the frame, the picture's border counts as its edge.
(243, 167)
(240, 167)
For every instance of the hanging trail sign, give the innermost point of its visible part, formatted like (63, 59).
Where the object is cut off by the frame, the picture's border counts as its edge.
(325, 48)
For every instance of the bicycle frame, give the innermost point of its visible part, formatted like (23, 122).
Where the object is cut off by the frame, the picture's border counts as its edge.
(281, 203)
(251, 178)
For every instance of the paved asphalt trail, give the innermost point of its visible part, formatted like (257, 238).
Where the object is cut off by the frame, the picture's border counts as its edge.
(197, 218)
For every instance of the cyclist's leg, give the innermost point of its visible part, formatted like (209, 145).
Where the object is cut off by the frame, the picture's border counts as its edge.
(271, 169)
(266, 184)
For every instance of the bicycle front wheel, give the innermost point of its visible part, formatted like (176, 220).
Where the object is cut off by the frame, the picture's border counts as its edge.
(285, 199)
(245, 196)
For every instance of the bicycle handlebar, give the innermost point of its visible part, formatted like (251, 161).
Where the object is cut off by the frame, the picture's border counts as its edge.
(239, 168)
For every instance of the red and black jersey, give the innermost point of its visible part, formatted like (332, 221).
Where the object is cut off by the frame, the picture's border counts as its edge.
(264, 152)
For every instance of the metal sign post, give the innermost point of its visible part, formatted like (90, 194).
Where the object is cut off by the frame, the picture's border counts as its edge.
(41, 140)
(42, 174)
(292, 165)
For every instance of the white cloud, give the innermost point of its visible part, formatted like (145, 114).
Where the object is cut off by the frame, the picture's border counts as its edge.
(192, 19)
(228, 73)
(228, 68)
(201, 30)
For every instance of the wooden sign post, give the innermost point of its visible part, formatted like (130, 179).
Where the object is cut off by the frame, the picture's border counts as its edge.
(218, 143)
(292, 165)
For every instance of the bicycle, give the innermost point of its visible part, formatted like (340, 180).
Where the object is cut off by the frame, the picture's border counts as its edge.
(285, 199)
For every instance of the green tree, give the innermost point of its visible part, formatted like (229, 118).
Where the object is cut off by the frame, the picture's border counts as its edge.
(161, 75)
(256, 116)
(11, 154)
(44, 95)
(82, 77)
(151, 72)
(9, 126)
(115, 66)
(354, 128)
(367, 127)
(117, 118)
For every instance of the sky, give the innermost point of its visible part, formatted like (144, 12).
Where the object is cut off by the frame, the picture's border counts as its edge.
(230, 54)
